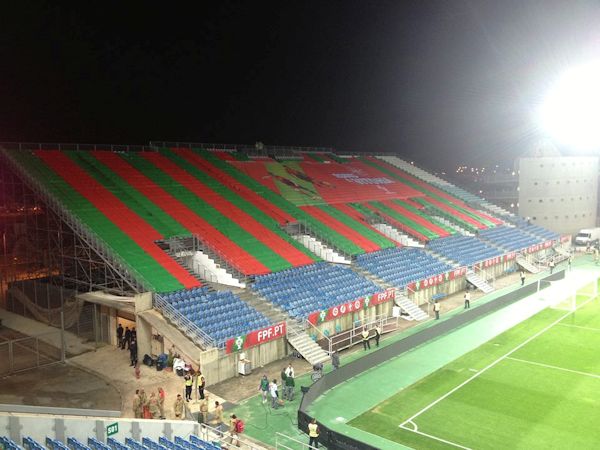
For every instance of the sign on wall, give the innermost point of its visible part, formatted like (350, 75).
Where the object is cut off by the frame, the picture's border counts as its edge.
(255, 338)
(111, 429)
(438, 279)
(350, 307)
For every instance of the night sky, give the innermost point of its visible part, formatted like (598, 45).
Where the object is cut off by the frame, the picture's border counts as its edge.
(441, 82)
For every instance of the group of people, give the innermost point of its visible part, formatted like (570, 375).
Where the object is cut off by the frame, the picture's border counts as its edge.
(128, 338)
(270, 389)
(152, 407)
(189, 379)
(366, 337)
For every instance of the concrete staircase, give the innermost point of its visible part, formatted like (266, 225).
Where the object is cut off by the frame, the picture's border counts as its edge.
(397, 235)
(298, 338)
(413, 311)
(322, 250)
(529, 267)
(454, 226)
(479, 282)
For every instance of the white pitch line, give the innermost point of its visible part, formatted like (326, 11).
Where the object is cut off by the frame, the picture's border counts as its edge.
(431, 436)
(489, 366)
(579, 326)
(549, 366)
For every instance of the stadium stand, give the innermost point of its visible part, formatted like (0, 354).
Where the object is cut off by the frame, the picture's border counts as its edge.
(509, 238)
(401, 266)
(303, 290)
(179, 443)
(220, 314)
(465, 250)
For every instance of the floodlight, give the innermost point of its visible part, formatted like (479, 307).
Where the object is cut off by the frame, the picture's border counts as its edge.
(571, 110)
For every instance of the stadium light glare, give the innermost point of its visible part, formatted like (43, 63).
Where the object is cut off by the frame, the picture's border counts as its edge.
(571, 111)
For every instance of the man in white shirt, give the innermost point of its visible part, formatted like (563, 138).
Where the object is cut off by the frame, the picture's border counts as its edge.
(436, 309)
(274, 394)
(467, 300)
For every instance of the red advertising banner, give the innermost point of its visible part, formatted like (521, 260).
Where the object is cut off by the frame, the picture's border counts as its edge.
(349, 307)
(438, 279)
(255, 338)
(538, 247)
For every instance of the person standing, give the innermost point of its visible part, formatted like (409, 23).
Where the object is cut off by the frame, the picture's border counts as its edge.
(335, 360)
(365, 339)
(120, 336)
(133, 356)
(161, 402)
(218, 419)
(436, 309)
(189, 382)
(153, 406)
(178, 407)
(263, 387)
(522, 275)
(203, 414)
(127, 338)
(274, 394)
(283, 378)
(551, 265)
(313, 434)
(377, 335)
(289, 386)
(234, 430)
(570, 261)
(201, 385)
(289, 371)
(137, 405)
(144, 402)
(467, 300)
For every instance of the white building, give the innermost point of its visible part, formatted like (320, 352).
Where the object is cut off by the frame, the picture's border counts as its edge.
(559, 192)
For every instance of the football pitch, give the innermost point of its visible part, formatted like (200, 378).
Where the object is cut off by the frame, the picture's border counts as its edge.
(535, 386)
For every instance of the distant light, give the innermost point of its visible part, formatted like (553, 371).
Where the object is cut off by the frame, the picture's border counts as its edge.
(571, 111)
(512, 205)
(513, 173)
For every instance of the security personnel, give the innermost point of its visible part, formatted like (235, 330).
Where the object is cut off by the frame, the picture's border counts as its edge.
(365, 339)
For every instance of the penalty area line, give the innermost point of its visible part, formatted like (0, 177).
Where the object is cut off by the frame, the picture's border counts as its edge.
(431, 436)
(492, 364)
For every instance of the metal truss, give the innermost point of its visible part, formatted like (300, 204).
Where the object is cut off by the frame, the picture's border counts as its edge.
(46, 240)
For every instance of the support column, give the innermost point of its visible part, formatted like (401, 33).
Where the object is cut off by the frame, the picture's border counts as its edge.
(143, 302)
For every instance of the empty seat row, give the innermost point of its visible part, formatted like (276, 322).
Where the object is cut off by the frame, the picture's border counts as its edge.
(303, 290)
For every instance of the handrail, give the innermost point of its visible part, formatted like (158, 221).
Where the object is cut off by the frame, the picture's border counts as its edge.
(24, 146)
(192, 330)
(329, 340)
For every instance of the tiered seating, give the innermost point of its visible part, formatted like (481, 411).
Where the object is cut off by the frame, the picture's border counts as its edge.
(9, 444)
(401, 266)
(541, 232)
(347, 227)
(342, 243)
(465, 250)
(458, 206)
(509, 238)
(219, 314)
(304, 290)
(179, 443)
(156, 270)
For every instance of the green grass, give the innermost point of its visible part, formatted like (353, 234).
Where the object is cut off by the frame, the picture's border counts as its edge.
(535, 386)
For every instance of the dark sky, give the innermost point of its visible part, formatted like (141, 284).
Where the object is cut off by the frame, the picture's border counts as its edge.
(439, 81)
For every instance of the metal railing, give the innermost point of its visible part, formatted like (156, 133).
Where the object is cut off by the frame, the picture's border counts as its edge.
(190, 328)
(75, 146)
(31, 352)
(286, 442)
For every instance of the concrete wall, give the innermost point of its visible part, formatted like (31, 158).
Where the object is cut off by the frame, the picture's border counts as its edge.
(38, 426)
(559, 193)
